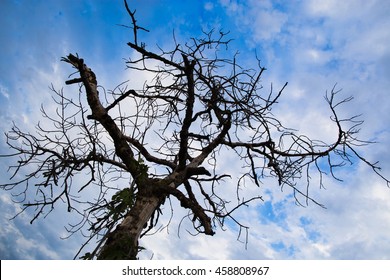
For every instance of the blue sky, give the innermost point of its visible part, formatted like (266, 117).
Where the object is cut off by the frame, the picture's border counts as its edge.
(311, 44)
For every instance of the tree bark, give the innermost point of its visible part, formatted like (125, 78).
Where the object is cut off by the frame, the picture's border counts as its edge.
(122, 243)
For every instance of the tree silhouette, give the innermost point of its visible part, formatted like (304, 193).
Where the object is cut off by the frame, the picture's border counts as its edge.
(137, 148)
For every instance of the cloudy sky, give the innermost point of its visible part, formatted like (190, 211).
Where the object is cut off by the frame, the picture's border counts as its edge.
(310, 44)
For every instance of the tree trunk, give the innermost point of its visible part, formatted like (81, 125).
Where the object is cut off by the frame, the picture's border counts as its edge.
(122, 243)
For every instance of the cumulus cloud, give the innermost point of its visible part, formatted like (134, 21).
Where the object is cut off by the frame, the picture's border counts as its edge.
(318, 46)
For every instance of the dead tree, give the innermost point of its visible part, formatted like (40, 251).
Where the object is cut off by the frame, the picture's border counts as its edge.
(136, 148)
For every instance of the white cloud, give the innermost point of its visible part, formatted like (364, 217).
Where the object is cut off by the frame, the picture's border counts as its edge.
(267, 24)
(323, 51)
(4, 91)
(208, 6)
(259, 18)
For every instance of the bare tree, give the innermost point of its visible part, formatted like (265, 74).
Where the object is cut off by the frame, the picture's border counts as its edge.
(137, 148)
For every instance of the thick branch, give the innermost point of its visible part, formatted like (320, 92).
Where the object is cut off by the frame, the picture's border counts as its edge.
(156, 57)
(183, 150)
(99, 113)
